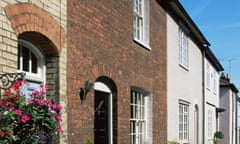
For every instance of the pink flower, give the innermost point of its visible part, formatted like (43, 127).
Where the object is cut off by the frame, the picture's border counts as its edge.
(43, 92)
(59, 128)
(35, 92)
(56, 108)
(42, 86)
(18, 112)
(7, 92)
(11, 108)
(16, 85)
(25, 118)
(58, 118)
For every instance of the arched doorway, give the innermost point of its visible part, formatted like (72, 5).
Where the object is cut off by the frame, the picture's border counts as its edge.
(105, 113)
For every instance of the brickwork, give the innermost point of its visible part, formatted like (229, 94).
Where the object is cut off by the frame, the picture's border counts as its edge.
(100, 43)
(43, 23)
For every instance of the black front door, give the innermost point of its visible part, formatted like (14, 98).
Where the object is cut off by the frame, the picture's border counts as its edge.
(101, 118)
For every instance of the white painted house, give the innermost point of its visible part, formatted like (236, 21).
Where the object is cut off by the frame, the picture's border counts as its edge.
(184, 69)
(187, 54)
(211, 105)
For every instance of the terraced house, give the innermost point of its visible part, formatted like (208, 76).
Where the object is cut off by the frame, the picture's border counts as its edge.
(117, 48)
(126, 72)
(120, 46)
(193, 80)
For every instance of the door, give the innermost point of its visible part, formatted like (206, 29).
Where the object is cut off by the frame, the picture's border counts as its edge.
(101, 118)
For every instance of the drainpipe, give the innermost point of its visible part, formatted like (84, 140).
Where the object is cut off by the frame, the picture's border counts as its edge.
(236, 120)
(203, 91)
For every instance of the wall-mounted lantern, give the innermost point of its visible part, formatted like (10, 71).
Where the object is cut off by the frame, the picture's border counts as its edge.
(84, 91)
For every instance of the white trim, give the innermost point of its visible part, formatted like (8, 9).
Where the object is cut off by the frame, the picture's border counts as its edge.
(41, 72)
(141, 28)
(183, 52)
(144, 104)
(99, 86)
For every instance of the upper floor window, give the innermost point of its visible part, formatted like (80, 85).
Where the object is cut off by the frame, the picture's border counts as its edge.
(141, 22)
(208, 76)
(215, 82)
(183, 49)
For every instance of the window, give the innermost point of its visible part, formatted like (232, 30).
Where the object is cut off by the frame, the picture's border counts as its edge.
(141, 115)
(196, 124)
(215, 83)
(141, 22)
(183, 122)
(31, 61)
(208, 76)
(183, 48)
(210, 124)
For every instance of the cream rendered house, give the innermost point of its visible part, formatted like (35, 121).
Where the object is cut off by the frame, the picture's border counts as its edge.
(211, 105)
(187, 55)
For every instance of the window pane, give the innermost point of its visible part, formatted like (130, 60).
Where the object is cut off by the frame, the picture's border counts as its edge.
(34, 63)
(19, 56)
(140, 7)
(25, 56)
(183, 48)
(137, 121)
(183, 122)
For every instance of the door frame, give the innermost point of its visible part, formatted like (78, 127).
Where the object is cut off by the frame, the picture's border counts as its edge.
(100, 86)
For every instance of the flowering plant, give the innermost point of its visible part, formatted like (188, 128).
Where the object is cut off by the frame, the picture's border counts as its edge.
(28, 121)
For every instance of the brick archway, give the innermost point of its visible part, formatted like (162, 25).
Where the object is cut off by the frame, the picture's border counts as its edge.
(26, 17)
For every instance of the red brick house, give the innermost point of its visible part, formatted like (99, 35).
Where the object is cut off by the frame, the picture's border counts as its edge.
(121, 47)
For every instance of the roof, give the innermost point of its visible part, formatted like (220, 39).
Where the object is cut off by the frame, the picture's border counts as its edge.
(177, 11)
(213, 60)
(225, 82)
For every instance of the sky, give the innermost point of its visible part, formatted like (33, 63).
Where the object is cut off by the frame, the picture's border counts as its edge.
(219, 21)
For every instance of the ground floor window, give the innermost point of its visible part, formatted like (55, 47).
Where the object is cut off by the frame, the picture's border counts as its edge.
(184, 122)
(31, 61)
(140, 121)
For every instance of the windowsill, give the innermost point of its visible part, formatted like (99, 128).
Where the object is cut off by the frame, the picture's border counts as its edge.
(184, 142)
(32, 76)
(184, 67)
(141, 43)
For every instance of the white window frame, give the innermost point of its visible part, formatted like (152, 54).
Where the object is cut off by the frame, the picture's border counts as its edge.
(215, 83)
(210, 125)
(41, 70)
(141, 117)
(33, 79)
(183, 49)
(141, 22)
(183, 122)
(208, 76)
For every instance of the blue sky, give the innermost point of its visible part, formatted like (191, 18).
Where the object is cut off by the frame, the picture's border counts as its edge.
(219, 21)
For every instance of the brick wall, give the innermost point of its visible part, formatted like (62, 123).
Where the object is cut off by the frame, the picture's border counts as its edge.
(100, 43)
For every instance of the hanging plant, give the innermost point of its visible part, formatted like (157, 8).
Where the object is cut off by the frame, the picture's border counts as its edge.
(32, 121)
